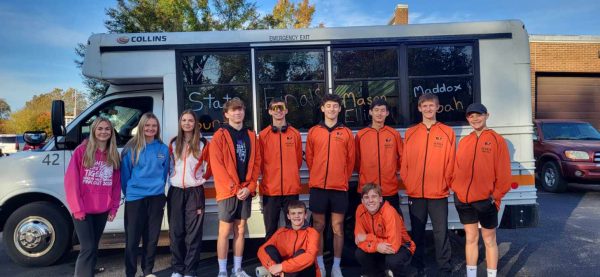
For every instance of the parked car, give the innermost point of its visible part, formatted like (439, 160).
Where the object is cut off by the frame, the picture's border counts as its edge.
(11, 143)
(566, 151)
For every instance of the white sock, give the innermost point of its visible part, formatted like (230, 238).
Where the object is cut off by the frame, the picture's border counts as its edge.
(320, 262)
(336, 262)
(222, 265)
(471, 271)
(492, 272)
(237, 263)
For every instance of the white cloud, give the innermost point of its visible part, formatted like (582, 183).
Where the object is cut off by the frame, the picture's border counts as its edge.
(39, 29)
(437, 17)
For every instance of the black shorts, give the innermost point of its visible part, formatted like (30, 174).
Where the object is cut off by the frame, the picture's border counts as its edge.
(327, 200)
(231, 209)
(483, 211)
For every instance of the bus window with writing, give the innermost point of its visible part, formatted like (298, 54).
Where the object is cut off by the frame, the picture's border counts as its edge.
(363, 75)
(443, 70)
(297, 77)
(210, 80)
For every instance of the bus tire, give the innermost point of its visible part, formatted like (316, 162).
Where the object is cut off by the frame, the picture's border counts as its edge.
(37, 234)
(552, 179)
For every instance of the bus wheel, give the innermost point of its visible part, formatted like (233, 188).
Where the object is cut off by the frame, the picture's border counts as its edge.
(551, 178)
(37, 234)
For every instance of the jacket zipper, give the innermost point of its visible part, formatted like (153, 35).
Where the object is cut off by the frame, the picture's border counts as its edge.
(184, 166)
(472, 169)
(295, 240)
(378, 158)
(327, 164)
(281, 161)
(425, 163)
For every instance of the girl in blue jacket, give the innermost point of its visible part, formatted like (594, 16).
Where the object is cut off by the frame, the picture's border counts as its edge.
(144, 170)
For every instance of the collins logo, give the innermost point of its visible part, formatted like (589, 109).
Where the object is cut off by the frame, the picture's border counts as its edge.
(123, 40)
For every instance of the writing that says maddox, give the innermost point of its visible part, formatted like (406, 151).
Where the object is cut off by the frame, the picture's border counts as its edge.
(289, 37)
(437, 89)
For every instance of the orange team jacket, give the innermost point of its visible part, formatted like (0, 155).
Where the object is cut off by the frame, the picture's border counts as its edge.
(428, 160)
(288, 241)
(330, 156)
(223, 164)
(482, 168)
(385, 225)
(281, 155)
(378, 155)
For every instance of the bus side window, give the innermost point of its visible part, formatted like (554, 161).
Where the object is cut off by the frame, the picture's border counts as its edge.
(123, 113)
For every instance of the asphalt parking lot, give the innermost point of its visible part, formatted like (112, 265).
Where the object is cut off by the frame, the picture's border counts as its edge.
(564, 244)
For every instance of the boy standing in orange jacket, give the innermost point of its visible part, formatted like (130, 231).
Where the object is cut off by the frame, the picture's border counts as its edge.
(482, 176)
(378, 154)
(293, 249)
(281, 153)
(235, 164)
(382, 240)
(330, 159)
(426, 169)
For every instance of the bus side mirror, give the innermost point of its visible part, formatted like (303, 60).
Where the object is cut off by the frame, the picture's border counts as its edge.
(57, 117)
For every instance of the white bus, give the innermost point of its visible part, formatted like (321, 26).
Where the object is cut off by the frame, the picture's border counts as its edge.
(166, 73)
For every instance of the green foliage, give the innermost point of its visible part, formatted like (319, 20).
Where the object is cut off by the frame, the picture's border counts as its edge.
(4, 109)
(142, 16)
(35, 116)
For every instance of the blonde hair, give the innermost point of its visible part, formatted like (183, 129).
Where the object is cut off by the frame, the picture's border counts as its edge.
(196, 135)
(112, 157)
(138, 142)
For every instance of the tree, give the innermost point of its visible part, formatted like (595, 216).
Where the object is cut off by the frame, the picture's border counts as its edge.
(288, 15)
(140, 16)
(4, 109)
(35, 116)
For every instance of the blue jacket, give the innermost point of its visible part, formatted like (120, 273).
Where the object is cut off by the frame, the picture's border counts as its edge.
(149, 175)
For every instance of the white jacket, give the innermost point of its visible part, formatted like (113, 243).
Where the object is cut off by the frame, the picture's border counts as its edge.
(188, 171)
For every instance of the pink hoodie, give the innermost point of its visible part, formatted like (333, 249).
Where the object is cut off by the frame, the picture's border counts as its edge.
(92, 190)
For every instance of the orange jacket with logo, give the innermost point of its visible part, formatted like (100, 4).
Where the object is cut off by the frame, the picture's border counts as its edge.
(330, 156)
(482, 168)
(385, 225)
(223, 164)
(378, 156)
(428, 160)
(281, 155)
(288, 241)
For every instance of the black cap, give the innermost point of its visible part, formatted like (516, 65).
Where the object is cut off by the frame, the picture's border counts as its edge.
(476, 108)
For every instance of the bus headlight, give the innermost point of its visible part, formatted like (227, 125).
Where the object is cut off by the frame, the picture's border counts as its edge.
(577, 155)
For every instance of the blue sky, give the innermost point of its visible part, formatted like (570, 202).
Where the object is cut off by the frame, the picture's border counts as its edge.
(38, 37)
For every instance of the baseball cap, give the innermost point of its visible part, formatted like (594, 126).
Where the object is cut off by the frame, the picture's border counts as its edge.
(476, 108)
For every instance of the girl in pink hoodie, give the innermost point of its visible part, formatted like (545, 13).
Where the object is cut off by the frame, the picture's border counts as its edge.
(93, 190)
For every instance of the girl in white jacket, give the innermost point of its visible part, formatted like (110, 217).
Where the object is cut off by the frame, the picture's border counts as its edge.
(185, 200)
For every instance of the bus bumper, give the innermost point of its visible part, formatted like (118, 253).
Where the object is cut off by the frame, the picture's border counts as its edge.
(520, 216)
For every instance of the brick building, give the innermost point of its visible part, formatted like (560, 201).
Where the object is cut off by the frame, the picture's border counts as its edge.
(565, 74)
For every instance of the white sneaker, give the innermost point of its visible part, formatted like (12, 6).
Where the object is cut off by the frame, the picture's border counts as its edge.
(336, 271)
(322, 269)
(389, 273)
(222, 274)
(150, 275)
(175, 274)
(239, 273)
(261, 271)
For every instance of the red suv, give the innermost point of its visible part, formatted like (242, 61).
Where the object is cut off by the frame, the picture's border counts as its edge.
(566, 151)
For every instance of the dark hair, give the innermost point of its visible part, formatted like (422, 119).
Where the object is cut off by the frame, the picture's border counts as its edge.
(276, 100)
(369, 187)
(331, 97)
(295, 204)
(232, 104)
(379, 102)
(428, 97)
